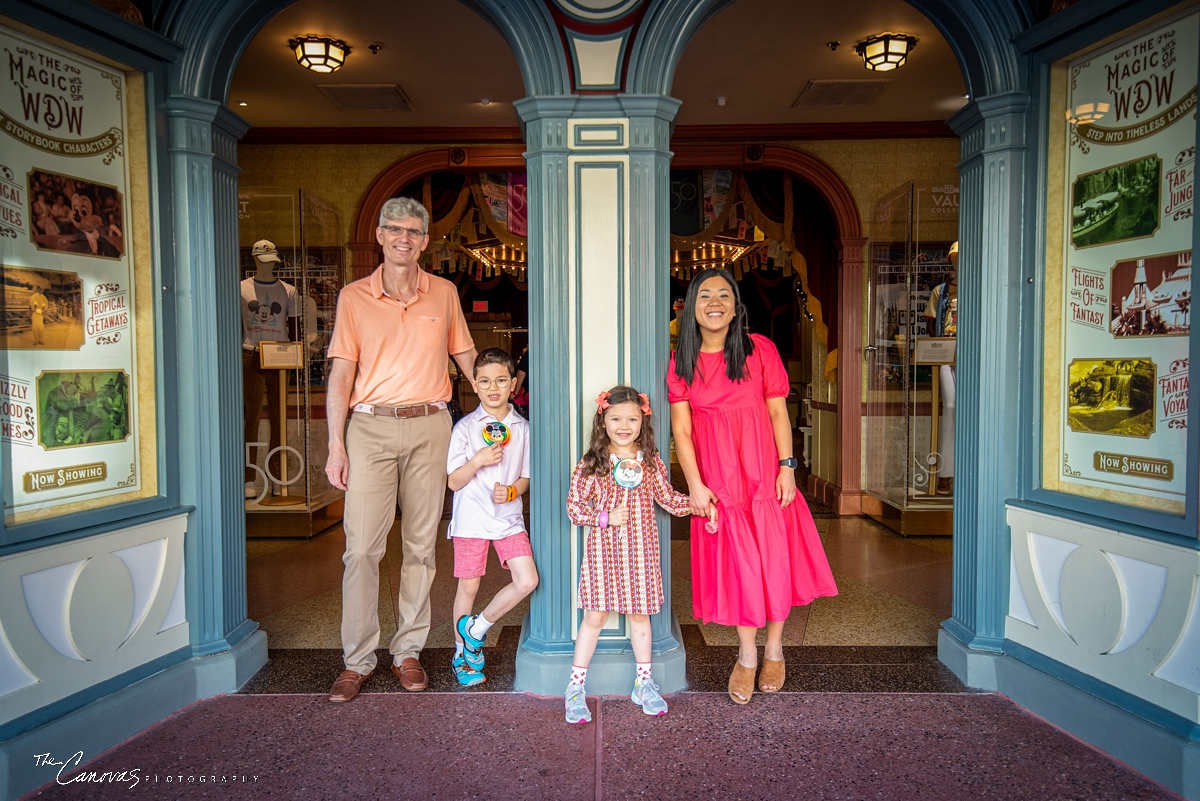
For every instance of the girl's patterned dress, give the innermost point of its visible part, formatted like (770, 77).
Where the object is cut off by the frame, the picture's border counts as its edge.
(621, 570)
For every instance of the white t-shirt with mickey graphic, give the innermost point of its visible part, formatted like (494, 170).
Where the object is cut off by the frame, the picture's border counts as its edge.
(266, 307)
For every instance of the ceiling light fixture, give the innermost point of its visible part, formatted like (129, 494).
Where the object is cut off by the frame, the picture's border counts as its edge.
(319, 53)
(885, 51)
(1086, 113)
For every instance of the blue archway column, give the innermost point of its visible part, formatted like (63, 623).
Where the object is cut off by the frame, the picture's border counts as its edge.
(598, 173)
(203, 138)
(991, 282)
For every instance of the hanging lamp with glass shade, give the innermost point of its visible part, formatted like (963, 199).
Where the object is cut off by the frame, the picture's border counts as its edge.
(319, 53)
(885, 51)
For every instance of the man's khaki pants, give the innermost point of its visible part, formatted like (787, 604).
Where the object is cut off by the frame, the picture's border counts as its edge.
(387, 454)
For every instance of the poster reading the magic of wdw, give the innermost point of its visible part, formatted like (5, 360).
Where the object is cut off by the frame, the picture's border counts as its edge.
(68, 427)
(1127, 267)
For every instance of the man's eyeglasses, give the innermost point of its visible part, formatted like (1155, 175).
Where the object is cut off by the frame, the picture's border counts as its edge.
(396, 230)
(486, 383)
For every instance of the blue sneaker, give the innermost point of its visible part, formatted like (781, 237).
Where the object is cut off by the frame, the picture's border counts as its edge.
(472, 647)
(466, 676)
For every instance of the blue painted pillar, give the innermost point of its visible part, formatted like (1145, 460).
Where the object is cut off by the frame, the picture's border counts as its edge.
(991, 284)
(598, 172)
(203, 138)
(649, 312)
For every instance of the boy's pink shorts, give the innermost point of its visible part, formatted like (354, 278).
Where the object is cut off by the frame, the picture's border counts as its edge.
(470, 553)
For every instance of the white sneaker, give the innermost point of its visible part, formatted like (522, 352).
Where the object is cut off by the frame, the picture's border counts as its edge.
(251, 492)
(577, 708)
(646, 695)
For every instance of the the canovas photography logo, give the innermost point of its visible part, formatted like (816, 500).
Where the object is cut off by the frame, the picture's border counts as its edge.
(130, 777)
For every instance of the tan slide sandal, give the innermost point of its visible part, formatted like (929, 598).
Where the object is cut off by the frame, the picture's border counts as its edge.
(773, 674)
(741, 682)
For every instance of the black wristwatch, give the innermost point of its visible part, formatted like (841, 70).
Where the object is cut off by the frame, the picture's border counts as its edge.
(789, 462)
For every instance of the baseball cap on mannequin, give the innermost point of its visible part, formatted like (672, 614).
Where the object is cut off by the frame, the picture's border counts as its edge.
(264, 250)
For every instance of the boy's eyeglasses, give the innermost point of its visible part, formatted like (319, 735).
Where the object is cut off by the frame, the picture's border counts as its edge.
(499, 383)
(396, 230)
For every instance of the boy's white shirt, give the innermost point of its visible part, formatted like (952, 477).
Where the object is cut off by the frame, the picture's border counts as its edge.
(475, 514)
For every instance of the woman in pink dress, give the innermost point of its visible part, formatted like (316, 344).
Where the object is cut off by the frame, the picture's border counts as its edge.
(734, 441)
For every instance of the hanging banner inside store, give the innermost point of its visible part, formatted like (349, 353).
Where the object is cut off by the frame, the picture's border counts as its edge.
(1120, 379)
(68, 392)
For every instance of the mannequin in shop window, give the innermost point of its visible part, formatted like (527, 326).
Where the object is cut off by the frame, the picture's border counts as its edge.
(677, 308)
(941, 320)
(270, 308)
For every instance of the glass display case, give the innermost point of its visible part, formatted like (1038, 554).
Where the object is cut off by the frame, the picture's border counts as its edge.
(909, 404)
(288, 493)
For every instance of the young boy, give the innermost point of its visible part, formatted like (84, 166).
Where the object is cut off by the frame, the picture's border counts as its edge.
(488, 468)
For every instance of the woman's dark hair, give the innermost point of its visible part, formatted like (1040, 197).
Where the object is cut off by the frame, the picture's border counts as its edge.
(595, 461)
(738, 344)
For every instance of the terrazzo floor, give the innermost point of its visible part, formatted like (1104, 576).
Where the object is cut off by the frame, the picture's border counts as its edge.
(867, 711)
(878, 634)
(893, 592)
(814, 746)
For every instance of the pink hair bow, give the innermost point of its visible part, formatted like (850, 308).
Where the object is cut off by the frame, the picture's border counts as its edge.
(645, 399)
(602, 402)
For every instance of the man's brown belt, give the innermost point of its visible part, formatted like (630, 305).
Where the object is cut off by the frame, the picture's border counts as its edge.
(419, 410)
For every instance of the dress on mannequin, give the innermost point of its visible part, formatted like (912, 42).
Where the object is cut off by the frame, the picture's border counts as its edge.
(941, 320)
(269, 310)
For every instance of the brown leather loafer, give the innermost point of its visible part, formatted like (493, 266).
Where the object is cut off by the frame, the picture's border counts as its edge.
(412, 675)
(347, 686)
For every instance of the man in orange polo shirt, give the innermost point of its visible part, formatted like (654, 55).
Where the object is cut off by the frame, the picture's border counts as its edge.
(392, 341)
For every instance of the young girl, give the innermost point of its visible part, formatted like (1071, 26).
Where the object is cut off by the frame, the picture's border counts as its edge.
(613, 491)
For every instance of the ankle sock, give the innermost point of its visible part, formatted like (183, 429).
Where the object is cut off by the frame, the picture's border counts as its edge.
(479, 627)
(644, 672)
(458, 649)
(578, 674)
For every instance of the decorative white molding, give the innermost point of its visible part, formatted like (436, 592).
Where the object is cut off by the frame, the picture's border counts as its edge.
(1143, 586)
(146, 563)
(47, 598)
(598, 134)
(79, 613)
(597, 61)
(13, 674)
(1182, 667)
(177, 612)
(1018, 607)
(598, 190)
(1133, 605)
(1049, 557)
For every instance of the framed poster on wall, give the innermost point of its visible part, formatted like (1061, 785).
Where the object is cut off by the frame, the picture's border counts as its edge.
(77, 417)
(1119, 268)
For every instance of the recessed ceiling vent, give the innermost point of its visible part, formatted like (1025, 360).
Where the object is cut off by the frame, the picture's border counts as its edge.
(367, 96)
(856, 92)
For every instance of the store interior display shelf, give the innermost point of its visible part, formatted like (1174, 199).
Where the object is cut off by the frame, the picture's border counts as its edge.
(302, 520)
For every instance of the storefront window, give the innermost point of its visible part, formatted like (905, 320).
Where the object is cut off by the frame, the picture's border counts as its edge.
(1119, 269)
(77, 405)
